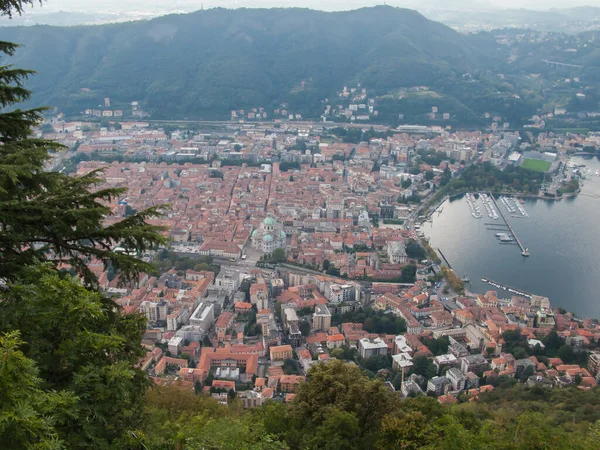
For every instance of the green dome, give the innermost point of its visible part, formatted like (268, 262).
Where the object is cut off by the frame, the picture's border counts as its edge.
(282, 234)
(268, 238)
(269, 221)
(254, 233)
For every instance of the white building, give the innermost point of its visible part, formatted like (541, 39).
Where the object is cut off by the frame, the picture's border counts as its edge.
(402, 360)
(339, 293)
(402, 345)
(269, 235)
(175, 344)
(368, 347)
(445, 360)
(176, 318)
(397, 252)
(321, 318)
(457, 379)
(154, 311)
(228, 281)
(203, 316)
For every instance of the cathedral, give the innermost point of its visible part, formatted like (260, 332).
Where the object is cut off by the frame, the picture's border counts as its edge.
(269, 235)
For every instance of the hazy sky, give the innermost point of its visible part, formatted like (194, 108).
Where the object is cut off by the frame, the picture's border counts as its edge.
(191, 5)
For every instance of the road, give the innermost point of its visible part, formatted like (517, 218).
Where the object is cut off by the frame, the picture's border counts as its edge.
(298, 124)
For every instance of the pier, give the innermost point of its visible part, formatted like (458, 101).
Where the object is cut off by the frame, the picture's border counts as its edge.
(444, 258)
(506, 288)
(524, 250)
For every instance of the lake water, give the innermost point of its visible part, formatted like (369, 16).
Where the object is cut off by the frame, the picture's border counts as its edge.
(562, 237)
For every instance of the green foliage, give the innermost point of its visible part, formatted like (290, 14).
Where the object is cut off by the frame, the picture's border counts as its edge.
(488, 177)
(278, 255)
(50, 216)
(68, 355)
(437, 346)
(422, 365)
(28, 413)
(167, 259)
(373, 321)
(376, 362)
(176, 418)
(339, 407)
(333, 271)
(305, 327)
(85, 349)
(337, 353)
(432, 157)
(285, 166)
(571, 186)
(414, 250)
(290, 367)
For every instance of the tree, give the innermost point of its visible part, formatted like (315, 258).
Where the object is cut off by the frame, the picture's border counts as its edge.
(414, 250)
(50, 216)
(552, 342)
(333, 271)
(337, 353)
(325, 264)
(422, 365)
(409, 273)
(28, 413)
(85, 348)
(411, 431)
(566, 353)
(376, 362)
(339, 430)
(278, 255)
(305, 327)
(337, 385)
(437, 346)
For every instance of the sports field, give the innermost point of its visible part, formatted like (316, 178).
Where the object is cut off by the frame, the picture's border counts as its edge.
(536, 164)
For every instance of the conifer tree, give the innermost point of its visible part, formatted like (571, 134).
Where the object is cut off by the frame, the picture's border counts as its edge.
(50, 216)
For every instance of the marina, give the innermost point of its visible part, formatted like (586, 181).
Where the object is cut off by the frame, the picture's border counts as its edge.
(513, 206)
(504, 231)
(489, 205)
(524, 250)
(473, 207)
(559, 235)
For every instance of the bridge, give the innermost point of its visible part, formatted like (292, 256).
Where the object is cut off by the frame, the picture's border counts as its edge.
(559, 64)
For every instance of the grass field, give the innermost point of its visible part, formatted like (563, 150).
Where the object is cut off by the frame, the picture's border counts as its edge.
(536, 164)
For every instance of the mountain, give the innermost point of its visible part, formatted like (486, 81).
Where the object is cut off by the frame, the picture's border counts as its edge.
(206, 63)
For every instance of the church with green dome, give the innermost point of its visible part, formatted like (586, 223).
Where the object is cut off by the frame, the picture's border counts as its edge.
(269, 235)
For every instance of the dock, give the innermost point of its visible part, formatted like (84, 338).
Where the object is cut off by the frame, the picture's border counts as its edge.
(524, 250)
(444, 258)
(507, 288)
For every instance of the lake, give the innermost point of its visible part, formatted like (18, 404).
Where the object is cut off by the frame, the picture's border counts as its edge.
(564, 261)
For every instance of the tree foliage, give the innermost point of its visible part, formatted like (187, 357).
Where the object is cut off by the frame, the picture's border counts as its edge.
(339, 407)
(68, 355)
(84, 348)
(52, 216)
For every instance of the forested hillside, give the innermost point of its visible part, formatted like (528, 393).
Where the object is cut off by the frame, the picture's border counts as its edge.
(340, 408)
(207, 63)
